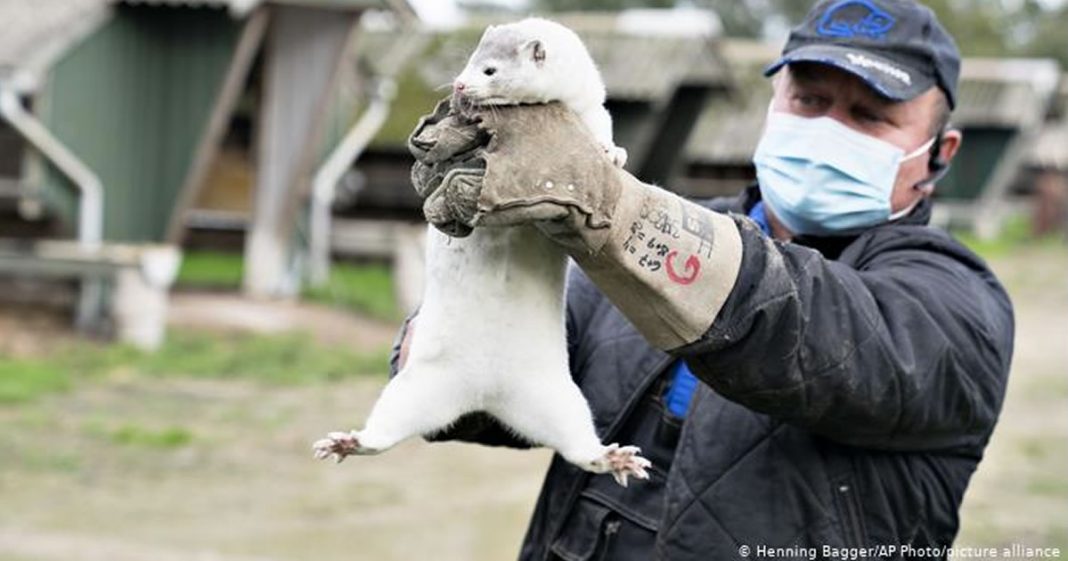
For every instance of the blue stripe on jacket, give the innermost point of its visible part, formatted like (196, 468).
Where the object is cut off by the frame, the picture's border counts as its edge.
(683, 383)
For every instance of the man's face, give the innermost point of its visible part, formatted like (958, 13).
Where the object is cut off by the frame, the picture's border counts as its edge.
(818, 90)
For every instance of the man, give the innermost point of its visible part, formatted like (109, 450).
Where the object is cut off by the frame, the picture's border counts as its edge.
(808, 366)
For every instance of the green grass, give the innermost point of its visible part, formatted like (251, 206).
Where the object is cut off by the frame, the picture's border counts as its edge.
(23, 380)
(1014, 235)
(363, 288)
(211, 269)
(366, 289)
(285, 359)
(276, 359)
(135, 435)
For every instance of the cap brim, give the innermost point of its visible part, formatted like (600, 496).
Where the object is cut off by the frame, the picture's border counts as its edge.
(888, 78)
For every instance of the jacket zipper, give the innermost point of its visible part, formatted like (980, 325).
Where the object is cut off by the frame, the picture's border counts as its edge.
(851, 511)
(611, 528)
(578, 482)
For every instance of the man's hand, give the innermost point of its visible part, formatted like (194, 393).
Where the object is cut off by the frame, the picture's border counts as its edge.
(667, 263)
(510, 166)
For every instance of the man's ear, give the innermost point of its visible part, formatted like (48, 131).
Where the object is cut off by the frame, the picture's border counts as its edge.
(536, 51)
(941, 156)
(951, 140)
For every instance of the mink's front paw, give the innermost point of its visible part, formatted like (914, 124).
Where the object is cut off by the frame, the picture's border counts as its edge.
(617, 154)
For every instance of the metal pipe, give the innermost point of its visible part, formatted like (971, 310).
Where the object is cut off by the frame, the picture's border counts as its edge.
(91, 201)
(324, 185)
(329, 174)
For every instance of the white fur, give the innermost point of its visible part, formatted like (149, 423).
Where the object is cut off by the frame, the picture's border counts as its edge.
(490, 335)
(567, 74)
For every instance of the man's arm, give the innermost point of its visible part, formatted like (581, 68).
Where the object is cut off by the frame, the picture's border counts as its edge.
(909, 351)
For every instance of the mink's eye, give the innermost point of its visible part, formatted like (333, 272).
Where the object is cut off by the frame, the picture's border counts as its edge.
(489, 71)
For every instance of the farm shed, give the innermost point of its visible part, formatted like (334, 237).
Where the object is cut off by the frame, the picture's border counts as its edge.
(657, 81)
(120, 108)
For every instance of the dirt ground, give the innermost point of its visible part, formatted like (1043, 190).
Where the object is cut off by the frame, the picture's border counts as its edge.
(244, 486)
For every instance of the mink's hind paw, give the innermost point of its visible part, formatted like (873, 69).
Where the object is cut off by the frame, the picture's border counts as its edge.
(341, 445)
(622, 462)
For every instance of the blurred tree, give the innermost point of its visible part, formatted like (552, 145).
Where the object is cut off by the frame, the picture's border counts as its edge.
(981, 27)
(1049, 37)
(750, 18)
(597, 5)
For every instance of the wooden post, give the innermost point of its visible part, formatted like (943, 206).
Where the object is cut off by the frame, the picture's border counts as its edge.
(409, 264)
(304, 49)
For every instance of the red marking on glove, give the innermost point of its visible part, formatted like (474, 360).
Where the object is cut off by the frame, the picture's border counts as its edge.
(693, 268)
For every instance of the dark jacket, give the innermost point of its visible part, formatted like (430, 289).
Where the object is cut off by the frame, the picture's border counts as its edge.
(850, 386)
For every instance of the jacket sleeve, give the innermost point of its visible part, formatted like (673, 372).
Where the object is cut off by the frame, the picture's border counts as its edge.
(908, 350)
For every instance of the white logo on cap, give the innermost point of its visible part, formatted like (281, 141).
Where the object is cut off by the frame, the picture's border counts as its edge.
(888, 69)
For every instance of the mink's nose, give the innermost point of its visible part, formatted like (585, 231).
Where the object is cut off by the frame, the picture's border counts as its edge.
(458, 86)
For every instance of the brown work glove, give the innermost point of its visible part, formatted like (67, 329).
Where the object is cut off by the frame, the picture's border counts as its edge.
(667, 263)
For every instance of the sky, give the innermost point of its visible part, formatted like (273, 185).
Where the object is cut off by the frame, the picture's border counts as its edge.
(445, 13)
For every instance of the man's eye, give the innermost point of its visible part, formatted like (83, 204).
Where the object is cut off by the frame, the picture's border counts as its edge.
(809, 101)
(869, 116)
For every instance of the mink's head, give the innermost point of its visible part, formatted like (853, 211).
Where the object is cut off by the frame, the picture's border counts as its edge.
(531, 61)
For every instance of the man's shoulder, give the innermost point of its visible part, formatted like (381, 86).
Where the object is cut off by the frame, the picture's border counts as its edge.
(919, 240)
(737, 204)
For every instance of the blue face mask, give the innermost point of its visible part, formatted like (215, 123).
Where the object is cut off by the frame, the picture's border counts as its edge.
(822, 178)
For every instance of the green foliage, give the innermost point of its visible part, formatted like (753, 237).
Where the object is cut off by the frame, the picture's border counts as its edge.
(276, 359)
(981, 27)
(365, 289)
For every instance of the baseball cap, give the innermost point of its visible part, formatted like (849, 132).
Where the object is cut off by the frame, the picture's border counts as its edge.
(897, 47)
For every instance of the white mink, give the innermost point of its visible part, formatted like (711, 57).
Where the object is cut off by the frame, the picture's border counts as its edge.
(490, 335)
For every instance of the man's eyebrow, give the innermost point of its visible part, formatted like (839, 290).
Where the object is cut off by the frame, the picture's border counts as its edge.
(878, 101)
(808, 75)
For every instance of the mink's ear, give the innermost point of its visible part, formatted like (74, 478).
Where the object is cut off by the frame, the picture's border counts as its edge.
(536, 50)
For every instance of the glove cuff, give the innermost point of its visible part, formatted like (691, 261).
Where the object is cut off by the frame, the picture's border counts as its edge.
(668, 264)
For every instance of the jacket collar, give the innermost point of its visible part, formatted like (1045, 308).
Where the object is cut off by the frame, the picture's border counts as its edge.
(832, 246)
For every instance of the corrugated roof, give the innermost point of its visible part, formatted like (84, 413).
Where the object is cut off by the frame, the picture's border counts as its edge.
(1010, 93)
(635, 67)
(1005, 92)
(33, 33)
(242, 7)
(729, 128)
(238, 8)
(638, 68)
(1050, 150)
